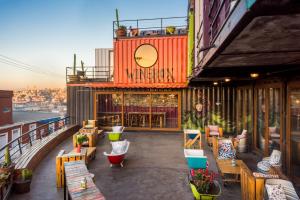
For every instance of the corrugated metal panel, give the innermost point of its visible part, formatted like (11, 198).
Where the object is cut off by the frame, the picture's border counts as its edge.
(171, 66)
(104, 62)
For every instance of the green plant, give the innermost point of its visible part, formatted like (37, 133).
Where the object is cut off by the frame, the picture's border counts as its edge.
(81, 138)
(26, 174)
(191, 120)
(122, 27)
(203, 179)
(117, 18)
(170, 29)
(7, 159)
(82, 66)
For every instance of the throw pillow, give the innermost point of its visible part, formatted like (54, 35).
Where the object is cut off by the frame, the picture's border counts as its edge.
(213, 128)
(226, 151)
(275, 192)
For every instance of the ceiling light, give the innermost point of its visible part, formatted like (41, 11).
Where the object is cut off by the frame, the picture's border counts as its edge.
(254, 75)
(227, 80)
(215, 83)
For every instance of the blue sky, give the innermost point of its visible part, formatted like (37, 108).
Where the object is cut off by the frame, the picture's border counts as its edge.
(46, 33)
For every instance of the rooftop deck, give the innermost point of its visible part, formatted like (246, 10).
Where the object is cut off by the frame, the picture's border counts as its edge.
(155, 169)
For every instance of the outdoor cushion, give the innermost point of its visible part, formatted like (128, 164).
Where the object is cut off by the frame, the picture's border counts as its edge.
(214, 133)
(263, 166)
(272, 129)
(287, 187)
(275, 157)
(226, 151)
(275, 192)
(213, 128)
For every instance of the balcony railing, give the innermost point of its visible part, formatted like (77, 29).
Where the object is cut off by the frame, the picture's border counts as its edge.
(151, 27)
(18, 146)
(90, 74)
(218, 12)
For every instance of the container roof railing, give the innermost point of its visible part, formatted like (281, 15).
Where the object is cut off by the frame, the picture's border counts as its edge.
(90, 74)
(150, 27)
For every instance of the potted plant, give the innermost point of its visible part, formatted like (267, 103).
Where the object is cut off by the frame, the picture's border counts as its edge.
(134, 32)
(22, 181)
(7, 166)
(170, 30)
(81, 138)
(74, 77)
(203, 184)
(121, 30)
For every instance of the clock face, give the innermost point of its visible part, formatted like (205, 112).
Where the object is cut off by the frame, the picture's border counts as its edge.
(145, 55)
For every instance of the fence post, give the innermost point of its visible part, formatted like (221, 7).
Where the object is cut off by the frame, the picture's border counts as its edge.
(20, 148)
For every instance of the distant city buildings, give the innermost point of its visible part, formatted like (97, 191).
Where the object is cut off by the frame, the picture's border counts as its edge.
(44, 100)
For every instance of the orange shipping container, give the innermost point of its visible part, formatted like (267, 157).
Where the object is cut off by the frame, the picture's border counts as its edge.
(169, 70)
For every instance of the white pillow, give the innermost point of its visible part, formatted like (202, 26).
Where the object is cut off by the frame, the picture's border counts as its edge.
(275, 192)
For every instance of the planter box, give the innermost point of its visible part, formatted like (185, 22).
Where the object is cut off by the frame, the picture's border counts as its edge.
(195, 158)
(198, 196)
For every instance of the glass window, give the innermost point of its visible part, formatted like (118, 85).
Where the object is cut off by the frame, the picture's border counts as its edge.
(295, 134)
(261, 109)
(274, 119)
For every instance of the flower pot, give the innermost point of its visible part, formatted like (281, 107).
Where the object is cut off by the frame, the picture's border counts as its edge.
(134, 32)
(21, 187)
(78, 148)
(114, 136)
(170, 30)
(215, 192)
(73, 78)
(121, 32)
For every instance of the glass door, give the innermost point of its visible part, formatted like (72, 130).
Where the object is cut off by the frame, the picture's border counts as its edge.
(294, 135)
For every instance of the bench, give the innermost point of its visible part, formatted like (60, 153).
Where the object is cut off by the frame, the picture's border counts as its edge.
(61, 158)
(75, 172)
(252, 187)
(33, 155)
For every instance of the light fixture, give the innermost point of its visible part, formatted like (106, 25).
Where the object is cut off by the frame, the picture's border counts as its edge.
(227, 80)
(297, 101)
(254, 75)
(215, 83)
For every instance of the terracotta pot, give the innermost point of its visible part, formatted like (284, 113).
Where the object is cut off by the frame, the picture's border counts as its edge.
(121, 32)
(9, 169)
(78, 149)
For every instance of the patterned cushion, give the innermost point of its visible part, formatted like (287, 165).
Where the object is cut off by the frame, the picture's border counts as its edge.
(275, 192)
(263, 166)
(272, 129)
(214, 133)
(226, 151)
(213, 128)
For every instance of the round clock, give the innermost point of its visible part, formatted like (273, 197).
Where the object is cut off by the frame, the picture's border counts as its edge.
(145, 55)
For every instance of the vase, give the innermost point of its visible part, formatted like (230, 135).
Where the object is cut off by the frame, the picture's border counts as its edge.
(216, 192)
(78, 149)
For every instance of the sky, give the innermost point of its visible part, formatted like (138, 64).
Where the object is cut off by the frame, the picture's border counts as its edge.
(44, 34)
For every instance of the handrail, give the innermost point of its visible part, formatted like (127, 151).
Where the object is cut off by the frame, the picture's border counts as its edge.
(137, 23)
(91, 73)
(28, 137)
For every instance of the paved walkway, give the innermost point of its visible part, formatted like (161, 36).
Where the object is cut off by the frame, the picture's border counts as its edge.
(155, 169)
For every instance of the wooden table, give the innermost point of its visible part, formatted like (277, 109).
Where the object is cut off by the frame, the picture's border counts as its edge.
(226, 168)
(90, 153)
(74, 173)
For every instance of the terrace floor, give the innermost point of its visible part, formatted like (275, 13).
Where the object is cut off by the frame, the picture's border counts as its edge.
(155, 169)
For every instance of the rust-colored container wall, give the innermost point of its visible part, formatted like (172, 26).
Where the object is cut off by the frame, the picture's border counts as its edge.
(171, 65)
(6, 107)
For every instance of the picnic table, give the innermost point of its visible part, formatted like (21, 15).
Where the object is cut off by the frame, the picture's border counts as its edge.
(75, 172)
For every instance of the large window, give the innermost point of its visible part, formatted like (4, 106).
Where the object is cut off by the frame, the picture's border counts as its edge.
(294, 112)
(142, 110)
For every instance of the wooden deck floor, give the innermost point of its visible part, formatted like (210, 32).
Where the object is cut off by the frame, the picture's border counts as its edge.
(155, 169)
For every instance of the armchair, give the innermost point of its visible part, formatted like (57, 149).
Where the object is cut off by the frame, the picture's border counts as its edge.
(212, 131)
(89, 123)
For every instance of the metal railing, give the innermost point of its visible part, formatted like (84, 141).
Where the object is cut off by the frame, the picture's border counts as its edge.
(22, 143)
(152, 27)
(90, 74)
(218, 13)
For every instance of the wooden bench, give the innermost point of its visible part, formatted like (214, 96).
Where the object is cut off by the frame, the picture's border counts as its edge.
(75, 172)
(61, 158)
(90, 153)
(34, 154)
(252, 187)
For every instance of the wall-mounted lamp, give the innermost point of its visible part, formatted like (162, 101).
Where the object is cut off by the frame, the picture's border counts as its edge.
(254, 75)
(227, 80)
(215, 83)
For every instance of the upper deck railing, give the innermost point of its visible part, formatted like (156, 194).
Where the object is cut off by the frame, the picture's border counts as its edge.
(89, 74)
(20, 144)
(150, 27)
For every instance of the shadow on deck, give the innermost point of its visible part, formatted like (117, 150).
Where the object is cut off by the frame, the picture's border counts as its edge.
(155, 169)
